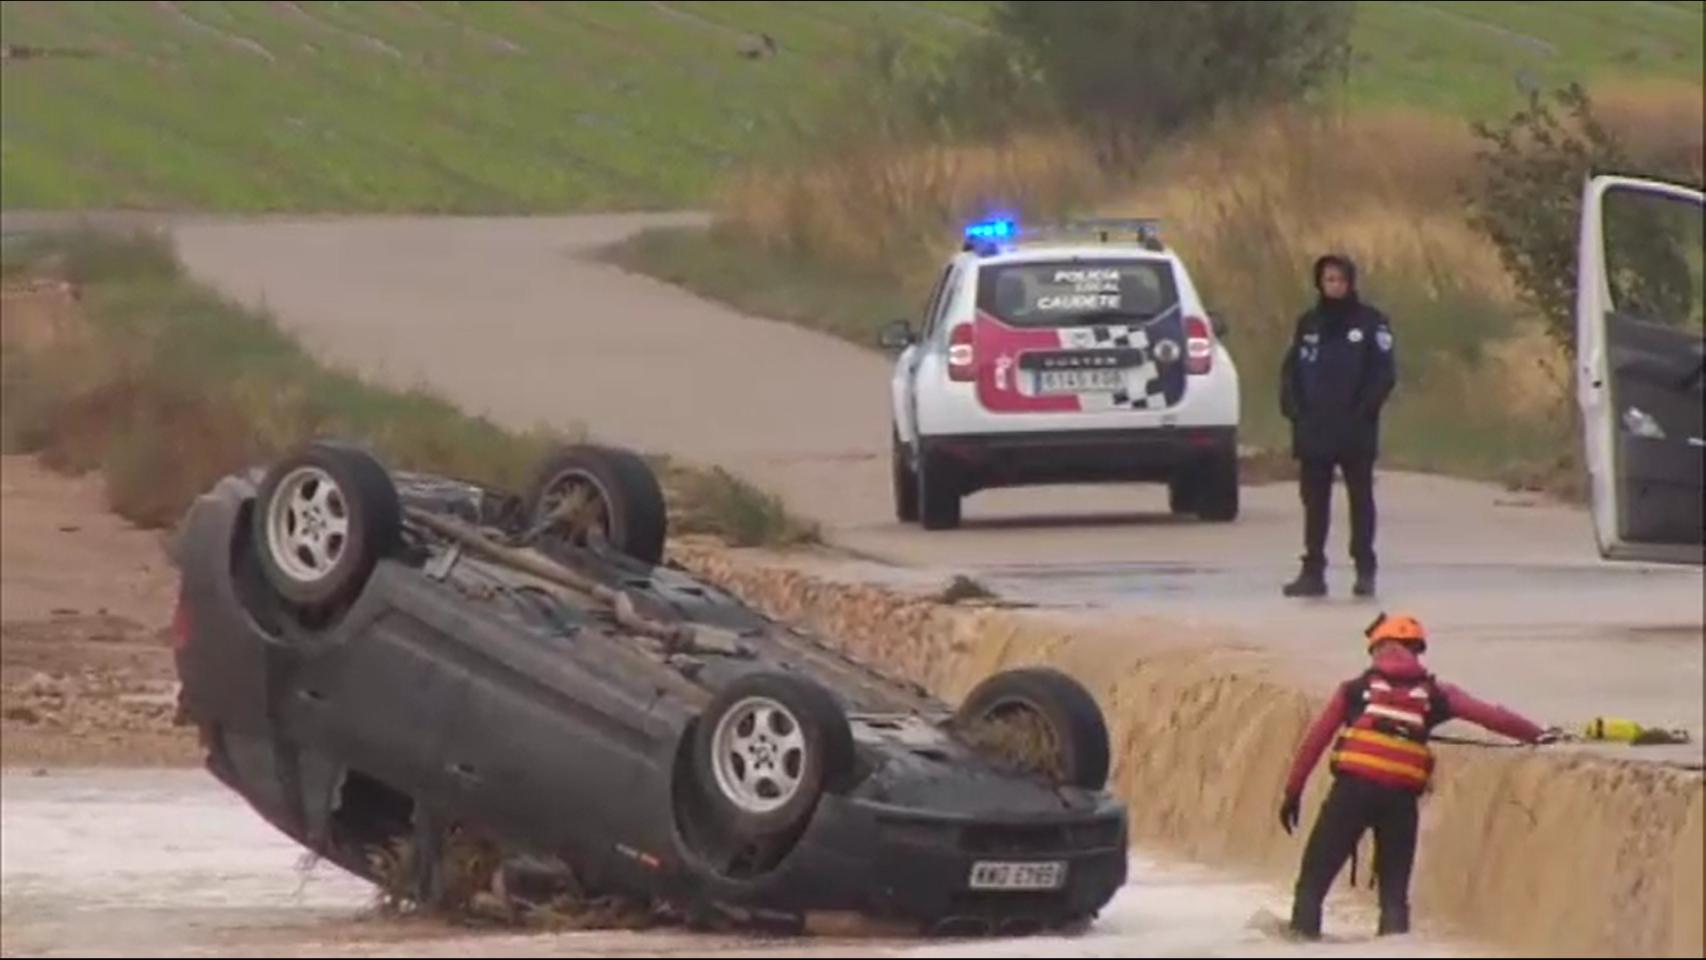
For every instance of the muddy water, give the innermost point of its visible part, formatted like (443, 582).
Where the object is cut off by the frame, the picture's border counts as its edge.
(169, 863)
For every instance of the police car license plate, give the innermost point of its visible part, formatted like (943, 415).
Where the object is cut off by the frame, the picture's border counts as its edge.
(1080, 381)
(999, 875)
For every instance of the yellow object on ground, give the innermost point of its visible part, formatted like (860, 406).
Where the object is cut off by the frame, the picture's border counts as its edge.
(1623, 730)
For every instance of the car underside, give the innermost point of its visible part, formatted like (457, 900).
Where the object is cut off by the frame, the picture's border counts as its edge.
(409, 674)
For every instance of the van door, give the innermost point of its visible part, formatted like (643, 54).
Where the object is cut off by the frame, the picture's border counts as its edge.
(1640, 362)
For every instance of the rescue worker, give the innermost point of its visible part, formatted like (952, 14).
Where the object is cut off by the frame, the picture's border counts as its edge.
(1381, 764)
(1334, 381)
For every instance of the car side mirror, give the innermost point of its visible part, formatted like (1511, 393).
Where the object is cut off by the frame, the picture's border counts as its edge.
(897, 336)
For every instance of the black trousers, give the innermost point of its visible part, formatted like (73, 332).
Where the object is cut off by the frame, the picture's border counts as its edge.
(1353, 806)
(1315, 482)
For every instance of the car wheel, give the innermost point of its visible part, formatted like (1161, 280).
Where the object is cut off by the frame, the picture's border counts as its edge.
(1218, 499)
(766, 748)
(323, 518)
(938, 494)
(1181, 494)
(1041, 721)
(589, 496)
(905, 483)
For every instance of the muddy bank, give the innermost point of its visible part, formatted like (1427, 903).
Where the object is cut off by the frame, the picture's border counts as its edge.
(86, 674)
(1542, 851)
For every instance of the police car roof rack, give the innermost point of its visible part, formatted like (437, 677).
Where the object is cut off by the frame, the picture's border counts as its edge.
(1147, 230)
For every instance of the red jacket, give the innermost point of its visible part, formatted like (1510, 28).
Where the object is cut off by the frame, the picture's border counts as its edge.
(1400, 663)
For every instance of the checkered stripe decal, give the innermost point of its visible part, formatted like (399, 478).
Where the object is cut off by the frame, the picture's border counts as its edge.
(1091, 338)
(1145, 377)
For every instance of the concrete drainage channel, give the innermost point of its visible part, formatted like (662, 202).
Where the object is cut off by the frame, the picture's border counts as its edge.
(1544, 851)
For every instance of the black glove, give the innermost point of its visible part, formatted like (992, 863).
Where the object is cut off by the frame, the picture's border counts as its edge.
(1289, 812)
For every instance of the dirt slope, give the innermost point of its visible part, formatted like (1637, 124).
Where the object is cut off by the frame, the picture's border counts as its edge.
(85, 608)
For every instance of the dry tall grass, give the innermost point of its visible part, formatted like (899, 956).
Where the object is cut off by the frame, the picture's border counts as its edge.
(873, 209)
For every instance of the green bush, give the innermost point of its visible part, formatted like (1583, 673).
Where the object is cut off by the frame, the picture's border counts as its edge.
(1129, 72)
(1527, 199)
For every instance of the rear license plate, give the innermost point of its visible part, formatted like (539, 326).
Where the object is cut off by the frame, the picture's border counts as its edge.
(997, 875)
(1080, 381)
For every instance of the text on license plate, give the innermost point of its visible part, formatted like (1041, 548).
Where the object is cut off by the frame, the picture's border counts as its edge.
(1080, 381)
(996, 875)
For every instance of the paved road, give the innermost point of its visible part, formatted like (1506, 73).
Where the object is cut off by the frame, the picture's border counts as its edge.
(510, 317)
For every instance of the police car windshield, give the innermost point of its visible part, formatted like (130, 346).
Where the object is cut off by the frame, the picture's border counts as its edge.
(1068, 293)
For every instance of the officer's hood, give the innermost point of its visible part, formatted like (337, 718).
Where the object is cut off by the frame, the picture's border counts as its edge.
(1336, 311)
(1345, 264)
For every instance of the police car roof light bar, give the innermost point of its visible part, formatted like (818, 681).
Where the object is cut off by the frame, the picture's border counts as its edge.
(987, 236)
(999, 228)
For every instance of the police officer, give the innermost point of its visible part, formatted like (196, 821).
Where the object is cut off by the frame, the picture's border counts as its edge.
(1335, 379)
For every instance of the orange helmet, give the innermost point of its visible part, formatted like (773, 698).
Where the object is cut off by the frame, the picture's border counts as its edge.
(1397, 628)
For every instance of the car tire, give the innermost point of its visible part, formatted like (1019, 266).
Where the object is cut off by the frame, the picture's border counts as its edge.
(1074, 723)
(631, 518)
(1218, 498)
(1182, 493)
(323, 518)
(905, 482)
(766, 748)
(938, 494)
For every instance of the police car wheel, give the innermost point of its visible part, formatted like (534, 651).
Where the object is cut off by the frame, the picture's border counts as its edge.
(905, 483)
(1181, 495)
(1217, 499)
(938, 494)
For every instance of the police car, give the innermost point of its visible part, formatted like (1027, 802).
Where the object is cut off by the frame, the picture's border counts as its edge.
(1076, 353)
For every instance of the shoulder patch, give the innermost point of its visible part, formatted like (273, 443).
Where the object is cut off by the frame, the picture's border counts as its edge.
(1383, 338)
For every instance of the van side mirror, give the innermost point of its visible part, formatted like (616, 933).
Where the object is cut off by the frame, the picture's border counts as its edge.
(897, 336)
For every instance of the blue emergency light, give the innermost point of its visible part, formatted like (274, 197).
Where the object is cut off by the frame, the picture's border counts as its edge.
(1002, 228)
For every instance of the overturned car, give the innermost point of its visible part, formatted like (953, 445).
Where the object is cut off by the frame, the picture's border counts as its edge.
(373, 658)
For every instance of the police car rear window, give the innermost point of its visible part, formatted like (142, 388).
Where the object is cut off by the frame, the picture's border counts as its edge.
(1070, 293)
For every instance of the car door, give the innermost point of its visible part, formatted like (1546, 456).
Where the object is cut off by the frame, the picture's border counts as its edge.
(1640, 362)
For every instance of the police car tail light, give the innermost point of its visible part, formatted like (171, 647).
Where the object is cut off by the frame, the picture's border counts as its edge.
(962, 360)
(1199, 345)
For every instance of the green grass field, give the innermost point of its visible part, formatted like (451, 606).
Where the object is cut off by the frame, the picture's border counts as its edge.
(513, 107)
(1469, 58)
(410, 106)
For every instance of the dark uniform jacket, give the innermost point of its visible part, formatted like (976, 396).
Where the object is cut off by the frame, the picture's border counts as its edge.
(1335, 379)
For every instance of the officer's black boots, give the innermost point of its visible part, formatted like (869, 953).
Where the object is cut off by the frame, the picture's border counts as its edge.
(1394, 921)
(1365, 584)
(1305, 922)
(1311, 582)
